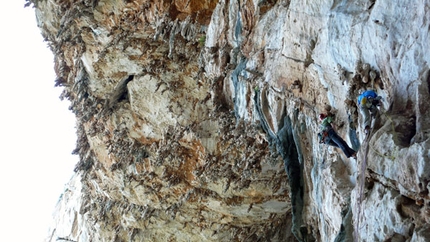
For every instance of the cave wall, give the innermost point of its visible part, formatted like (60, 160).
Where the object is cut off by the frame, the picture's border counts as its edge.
(197, 120)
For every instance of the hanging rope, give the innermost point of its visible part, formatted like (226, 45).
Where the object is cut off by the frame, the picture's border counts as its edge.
(361, 183)
(362, 178)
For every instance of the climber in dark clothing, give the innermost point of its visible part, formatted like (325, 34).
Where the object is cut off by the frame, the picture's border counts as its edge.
(330, 137)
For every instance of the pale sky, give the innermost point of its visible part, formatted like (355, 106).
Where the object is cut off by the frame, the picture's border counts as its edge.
(37, 129)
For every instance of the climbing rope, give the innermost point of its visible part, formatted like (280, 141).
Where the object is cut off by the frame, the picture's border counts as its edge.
(363, 173)
(361, 182)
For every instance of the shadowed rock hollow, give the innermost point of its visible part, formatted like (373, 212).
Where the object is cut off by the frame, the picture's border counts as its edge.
(197, 120)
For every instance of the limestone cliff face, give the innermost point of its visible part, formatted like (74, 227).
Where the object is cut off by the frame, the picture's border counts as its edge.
(197, 119)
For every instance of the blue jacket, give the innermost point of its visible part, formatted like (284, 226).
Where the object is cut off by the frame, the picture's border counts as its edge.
(367, 94)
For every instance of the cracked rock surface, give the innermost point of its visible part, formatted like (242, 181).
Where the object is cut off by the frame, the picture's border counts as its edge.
(197, 119)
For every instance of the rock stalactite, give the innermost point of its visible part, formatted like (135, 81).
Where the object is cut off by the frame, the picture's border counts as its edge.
(197, 119)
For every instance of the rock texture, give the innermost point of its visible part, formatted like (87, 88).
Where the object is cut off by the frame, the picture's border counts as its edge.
(197, 119)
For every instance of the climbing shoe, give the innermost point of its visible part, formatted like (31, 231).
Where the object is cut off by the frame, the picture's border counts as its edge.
(366, 129)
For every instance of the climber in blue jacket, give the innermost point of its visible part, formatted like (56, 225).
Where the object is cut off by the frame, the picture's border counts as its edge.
(368, 103)
(329, 136)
